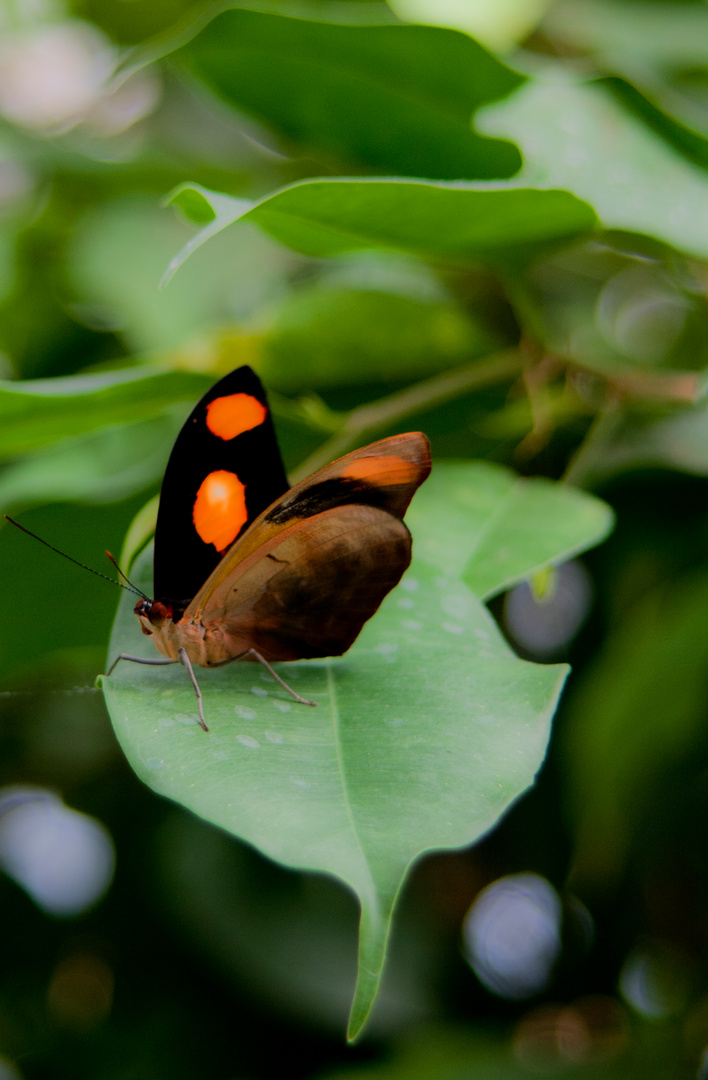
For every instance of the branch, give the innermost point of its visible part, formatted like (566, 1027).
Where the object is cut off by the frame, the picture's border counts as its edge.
(367, 420)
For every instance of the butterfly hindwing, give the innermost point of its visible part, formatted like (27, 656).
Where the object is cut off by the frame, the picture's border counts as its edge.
(312, 590)
(384, 475)
(224, 470)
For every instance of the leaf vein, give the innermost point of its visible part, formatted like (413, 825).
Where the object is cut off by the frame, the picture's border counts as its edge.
(373, 904)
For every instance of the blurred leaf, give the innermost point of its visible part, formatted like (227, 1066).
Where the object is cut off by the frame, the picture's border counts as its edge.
(142, 529)
(498, 26)
(638, 711)
(398, 99)
(678, 441)
(42, 411)
(8, 244)
(463, 223)
(409, 748)
(322, 337)
(688, 142)
(52, 604)
(478, 1053)
(576, 136)
(614, 308)
(103, 466)
(512, 527)
(119, 253)
(668, 36)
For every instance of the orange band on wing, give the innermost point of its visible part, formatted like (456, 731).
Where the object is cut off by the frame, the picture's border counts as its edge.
(230, 416)
(388, 470)
(219, 511)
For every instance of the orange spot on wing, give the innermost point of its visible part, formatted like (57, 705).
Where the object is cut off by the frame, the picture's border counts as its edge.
(219, 511)
(230, 416)
(385, 470)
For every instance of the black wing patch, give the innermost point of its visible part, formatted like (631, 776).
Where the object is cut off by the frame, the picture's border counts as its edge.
(224, 470)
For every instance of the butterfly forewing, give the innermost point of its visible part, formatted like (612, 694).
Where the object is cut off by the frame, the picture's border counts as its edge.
(224, 470)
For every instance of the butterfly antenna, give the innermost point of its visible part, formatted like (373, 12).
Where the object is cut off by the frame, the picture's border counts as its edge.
(125, 578)
(128, 588)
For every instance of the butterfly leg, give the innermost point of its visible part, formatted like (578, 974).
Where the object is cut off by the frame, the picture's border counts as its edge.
(137, 660)
(276, 676)
(184, 659)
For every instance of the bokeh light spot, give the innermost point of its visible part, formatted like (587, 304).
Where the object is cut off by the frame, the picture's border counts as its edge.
(63, 859)
(512, 935)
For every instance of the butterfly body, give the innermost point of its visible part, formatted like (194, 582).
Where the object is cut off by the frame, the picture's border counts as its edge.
(246, 567)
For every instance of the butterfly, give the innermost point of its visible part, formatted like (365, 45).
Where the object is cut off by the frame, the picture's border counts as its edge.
(247, 567)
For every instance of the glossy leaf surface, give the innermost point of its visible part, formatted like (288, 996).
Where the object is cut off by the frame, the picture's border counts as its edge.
(496, 529)
(398, 99)
(457, 222)
(38, 412)
(577, 136)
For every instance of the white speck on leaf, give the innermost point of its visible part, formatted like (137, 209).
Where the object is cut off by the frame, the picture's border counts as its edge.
(249, 741)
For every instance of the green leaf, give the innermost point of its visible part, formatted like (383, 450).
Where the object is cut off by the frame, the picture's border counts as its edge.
(629, 441)
(688, 142)
(42, 411)
(141, 531)
(424, 733)
(322, 337)
(102, 466)
(119, 252)
(483, 522)
(500, 26)
(392, 98)
(462, 223)
(667, 37)
(577, 136)
(638, 713)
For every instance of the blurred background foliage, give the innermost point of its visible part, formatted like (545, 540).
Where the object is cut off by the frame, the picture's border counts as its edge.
(573, 941)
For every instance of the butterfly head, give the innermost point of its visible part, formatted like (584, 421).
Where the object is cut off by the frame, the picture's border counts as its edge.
(152, 615)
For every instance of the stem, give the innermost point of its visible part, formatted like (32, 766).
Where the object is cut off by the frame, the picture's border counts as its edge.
(368, 419)
(606, 422)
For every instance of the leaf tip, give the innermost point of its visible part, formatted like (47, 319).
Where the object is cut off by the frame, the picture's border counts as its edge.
(355, 1027)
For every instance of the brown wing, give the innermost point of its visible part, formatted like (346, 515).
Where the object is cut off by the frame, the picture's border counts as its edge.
(384, 475)
(310, 589)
